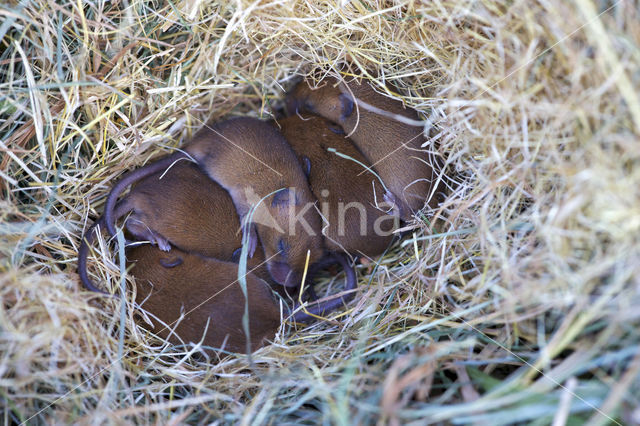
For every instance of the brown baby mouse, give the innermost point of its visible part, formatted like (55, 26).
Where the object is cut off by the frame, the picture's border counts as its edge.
(253, 162)
(374, 123)
(354, 220)
(207, 291)
(176, 257)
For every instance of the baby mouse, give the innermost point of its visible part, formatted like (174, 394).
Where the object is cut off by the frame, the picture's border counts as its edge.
(207, 291)
(252, 160)
(391, 146)
(347, 198)
(176, 258)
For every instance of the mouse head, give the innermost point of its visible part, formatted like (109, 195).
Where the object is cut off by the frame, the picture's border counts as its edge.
(327, 101)
(288, 226)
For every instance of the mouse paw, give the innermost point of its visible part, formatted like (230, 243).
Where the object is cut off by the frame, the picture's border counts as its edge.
(252, 238)
(162, 243)
(142, 232)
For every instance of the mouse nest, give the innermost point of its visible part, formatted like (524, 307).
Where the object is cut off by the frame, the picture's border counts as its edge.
(515, 301)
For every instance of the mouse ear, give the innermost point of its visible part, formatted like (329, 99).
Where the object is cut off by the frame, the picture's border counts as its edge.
(171, 262)
(284, 197)
(235, 257)
(306, 165)
(347, 105)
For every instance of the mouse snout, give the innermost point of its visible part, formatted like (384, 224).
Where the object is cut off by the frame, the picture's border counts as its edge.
(283, 274)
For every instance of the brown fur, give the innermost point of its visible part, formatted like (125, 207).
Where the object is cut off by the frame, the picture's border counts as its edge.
(337, 181)
(204, 290)
(378, 137)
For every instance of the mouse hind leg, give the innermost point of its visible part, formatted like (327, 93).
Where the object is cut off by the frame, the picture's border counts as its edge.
(137, 224)
(139, 229)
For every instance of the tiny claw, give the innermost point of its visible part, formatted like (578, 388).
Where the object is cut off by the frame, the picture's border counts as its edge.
(162, 243)
(252, 240)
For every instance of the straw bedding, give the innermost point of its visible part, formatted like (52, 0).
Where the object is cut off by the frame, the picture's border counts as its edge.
(515, 301)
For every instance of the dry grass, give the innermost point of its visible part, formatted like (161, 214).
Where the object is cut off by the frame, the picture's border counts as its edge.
(522, 304)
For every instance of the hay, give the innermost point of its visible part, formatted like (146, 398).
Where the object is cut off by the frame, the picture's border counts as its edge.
(515, 302)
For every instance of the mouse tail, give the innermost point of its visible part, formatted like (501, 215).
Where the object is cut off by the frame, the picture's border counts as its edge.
(313, 311)
(83, 254)
(110, 215)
